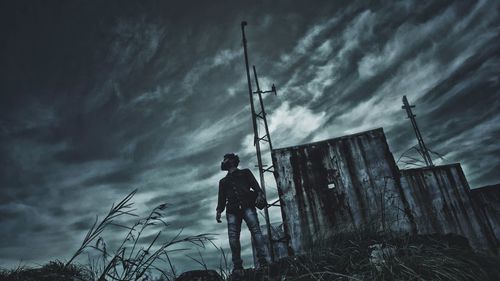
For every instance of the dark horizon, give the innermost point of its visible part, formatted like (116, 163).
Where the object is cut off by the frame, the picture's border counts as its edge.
(101, 98)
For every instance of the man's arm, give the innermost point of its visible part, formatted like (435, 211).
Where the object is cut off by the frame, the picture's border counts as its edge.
(221, 201)
(253, 182)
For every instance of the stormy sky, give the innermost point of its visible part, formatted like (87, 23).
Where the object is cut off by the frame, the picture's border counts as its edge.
(99, 98)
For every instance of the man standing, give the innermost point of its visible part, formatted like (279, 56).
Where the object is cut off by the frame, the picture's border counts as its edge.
(236, 197)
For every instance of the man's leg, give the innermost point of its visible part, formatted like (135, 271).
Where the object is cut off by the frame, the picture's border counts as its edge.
(252, 221)
(233, 230)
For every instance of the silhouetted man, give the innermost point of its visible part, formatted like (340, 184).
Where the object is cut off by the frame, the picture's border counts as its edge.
(236, 197)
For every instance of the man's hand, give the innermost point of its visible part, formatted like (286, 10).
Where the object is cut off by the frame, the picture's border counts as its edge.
(260, 200)
(217, 217)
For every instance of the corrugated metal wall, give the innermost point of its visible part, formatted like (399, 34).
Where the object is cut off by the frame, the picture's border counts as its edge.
(440, 202)
(488, 200)
(337, 185)
(350, 182)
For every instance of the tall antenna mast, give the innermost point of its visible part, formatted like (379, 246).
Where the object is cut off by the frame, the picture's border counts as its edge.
(423, 149)
(257, 139)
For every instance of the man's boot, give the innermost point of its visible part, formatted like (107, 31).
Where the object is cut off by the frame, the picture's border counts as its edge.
(263, 264)
(238, 271)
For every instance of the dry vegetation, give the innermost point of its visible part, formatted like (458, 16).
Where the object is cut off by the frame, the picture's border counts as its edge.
(128, 262)
(349, 256)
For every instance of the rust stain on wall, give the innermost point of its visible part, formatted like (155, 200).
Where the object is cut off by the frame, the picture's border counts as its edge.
(338, 185)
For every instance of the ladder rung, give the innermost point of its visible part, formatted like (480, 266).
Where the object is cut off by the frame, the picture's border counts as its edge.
(269, 169)
(275, 201)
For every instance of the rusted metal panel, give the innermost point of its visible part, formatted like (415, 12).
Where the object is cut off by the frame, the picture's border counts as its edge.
(345, 183)
(337, 185)
(488, 199)
(440, 201)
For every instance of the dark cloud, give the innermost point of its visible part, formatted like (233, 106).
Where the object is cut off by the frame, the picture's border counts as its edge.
(101, 98)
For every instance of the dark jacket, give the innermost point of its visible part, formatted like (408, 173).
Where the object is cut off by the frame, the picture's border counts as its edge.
(235, 193)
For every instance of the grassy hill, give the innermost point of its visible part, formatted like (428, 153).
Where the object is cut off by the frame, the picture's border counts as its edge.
(350, 256)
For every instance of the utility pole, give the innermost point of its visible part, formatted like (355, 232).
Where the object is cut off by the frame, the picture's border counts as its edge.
(424, 151)
(257, 139)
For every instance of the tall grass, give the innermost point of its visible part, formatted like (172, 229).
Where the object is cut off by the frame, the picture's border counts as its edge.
(131, 261)
(347, 256)
(52, 271)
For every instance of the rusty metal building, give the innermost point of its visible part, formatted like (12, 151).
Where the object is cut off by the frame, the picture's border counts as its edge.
(440, 202)
(352, 182)
(487, 199)
(338, 185)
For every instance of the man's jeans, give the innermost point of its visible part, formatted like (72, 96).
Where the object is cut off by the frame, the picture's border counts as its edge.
(234, 229)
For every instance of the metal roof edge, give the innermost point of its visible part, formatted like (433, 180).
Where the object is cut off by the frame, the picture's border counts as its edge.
(430, 168)
(487, 187)
(377, 130)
